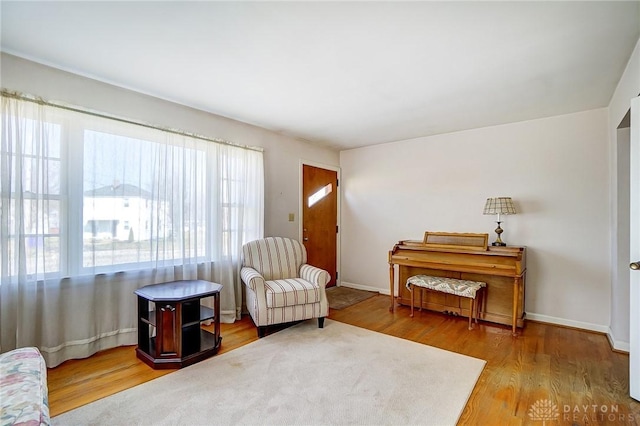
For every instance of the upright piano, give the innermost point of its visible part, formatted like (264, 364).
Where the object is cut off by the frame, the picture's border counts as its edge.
(466, 257)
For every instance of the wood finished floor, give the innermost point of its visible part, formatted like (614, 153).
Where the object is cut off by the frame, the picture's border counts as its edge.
(574, 370)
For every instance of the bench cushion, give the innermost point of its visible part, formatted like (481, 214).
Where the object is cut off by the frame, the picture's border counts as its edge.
(463, 288)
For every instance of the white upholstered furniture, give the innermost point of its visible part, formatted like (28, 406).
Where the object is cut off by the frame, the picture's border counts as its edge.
(280, 286)
(24, 398)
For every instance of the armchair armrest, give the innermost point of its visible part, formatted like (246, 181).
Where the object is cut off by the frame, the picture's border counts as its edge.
(314, 275)
(253, 279)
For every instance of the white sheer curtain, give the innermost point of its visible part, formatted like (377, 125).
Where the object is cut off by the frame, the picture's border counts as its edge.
(93, 208)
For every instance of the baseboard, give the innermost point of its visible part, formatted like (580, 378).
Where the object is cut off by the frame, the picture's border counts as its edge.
(616, 345)
(363, 287)
(568, 323)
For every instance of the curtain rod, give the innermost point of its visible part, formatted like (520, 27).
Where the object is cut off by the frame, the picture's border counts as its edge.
(38, 100)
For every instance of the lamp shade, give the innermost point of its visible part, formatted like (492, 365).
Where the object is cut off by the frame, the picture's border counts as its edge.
(499, 205)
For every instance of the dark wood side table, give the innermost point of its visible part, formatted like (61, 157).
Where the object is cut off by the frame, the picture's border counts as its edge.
(169, 323)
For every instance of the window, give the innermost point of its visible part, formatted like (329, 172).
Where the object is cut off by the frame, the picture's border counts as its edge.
(131, 182)
(146, 198)
(320, 194)
(35, 204)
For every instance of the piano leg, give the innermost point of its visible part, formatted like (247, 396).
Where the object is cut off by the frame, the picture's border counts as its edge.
(514, 318)
(391, 288)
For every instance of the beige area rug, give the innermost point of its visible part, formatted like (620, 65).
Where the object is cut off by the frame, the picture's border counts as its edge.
(342, 297)
(303, 375)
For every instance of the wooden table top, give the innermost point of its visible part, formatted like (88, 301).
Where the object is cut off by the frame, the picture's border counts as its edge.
(178, 290)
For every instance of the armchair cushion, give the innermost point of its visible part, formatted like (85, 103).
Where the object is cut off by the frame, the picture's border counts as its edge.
(291, 292)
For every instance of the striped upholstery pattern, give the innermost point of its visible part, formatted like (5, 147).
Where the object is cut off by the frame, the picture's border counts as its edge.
(275, 258)
(291, 292)
(280, 286)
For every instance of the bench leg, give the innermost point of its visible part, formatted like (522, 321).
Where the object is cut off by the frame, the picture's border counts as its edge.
(475, 309)
(471, 300)
(412, 289)
(481, 302)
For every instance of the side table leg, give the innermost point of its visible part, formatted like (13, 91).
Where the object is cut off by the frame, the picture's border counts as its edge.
(216, 323)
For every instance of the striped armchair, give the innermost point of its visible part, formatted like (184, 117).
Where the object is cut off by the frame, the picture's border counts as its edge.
(280, 286)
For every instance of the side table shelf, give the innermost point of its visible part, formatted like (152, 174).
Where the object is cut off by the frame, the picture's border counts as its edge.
(170, 317)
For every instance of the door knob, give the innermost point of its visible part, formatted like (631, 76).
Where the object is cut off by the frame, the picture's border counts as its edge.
(635, 265)
(306, 238)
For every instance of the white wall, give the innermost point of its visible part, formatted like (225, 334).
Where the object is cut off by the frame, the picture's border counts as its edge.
(282, 154)
(628, 88)
(555, 169)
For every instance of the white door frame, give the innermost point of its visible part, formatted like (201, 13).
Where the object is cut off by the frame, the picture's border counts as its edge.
(634, 278)
(339, 196)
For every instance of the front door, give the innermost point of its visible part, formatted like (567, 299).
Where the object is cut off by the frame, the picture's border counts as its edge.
(320, 218)
(634, 278)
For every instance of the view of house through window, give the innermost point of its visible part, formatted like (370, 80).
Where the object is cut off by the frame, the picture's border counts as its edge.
(88, 195)
(130, 187)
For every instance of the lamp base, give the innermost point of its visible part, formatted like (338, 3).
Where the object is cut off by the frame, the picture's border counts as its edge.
(498, 242)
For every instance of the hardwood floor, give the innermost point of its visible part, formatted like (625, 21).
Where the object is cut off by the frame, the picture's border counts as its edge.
(572, 369)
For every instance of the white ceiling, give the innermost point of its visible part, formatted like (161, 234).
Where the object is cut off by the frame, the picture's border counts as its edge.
(344, 74)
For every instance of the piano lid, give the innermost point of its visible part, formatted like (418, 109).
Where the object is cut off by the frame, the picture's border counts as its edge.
(456, 243)
(453, 241)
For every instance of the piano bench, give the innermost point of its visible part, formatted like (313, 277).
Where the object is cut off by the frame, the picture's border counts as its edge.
(462, 288)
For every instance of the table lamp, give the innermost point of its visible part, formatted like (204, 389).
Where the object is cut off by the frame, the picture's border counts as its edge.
(499, 205)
